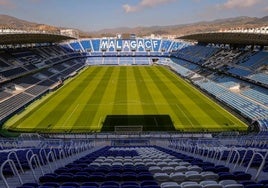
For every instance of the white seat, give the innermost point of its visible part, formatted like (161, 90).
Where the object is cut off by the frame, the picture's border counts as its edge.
(182, 163)
(161, 177)
(190, 184)
(177, 177)
(155, 169)
(177, 160)
(94, 164)
(207, 182)
(230, 184)
(146, 160)
(108, 160)
(210, 184)
(168, 169)
(157, 160)
(149, 164)
(162, 164)
(168, 160)
(193, 176)
(227, 182)
(213, 186)
(195, 168)
(209, 175)
(181, 169)
(170, 185)
(236, 185)
(174, 164)
(117, 164)
(128, 163)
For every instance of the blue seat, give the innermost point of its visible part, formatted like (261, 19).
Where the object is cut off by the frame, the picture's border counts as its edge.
(64, 178)
(35, 185)
(247, 182)
(242, 176)
(52, 184)
(113, 176)
(47, 178)
(257, 185)
(96, 178)
(80, 178)
(70, 184)
(148, 182)
(130, 184)
(226, 176)
(92, 184)
(129, 176)
(110, 183)
(264, 182)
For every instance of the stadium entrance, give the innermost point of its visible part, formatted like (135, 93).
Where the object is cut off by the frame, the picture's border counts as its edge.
(138, 123)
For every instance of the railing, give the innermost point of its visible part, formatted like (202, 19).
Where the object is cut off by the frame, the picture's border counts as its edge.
(14, 171)
(235, 158)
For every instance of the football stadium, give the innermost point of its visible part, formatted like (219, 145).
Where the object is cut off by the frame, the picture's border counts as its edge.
(134, 111)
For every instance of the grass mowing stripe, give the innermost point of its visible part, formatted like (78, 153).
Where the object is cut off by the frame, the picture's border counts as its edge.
(115, 90)
(106, 106)
(168, 94)
(144, 93)
(135, 106)
(206, 107)
(120, 100)
(224, 120)
(162, 104)
(37, 115)
(71, 114)
(61, 103)
(95, 98)
(185, 96)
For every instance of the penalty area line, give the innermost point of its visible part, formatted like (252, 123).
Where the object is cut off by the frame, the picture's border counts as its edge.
(67, 119)
(185, 115)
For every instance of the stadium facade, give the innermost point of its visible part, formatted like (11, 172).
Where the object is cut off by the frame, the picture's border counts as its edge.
(234, 75)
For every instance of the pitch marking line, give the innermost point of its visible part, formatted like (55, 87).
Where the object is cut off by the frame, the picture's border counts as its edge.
(211, 100)
(185, 115)
(67, 119)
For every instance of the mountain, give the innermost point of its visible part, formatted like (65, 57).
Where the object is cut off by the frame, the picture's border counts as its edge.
(178, 30)
(183, 29)
(15, 23)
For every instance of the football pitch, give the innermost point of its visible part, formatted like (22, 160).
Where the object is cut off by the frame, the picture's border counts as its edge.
(84, 102)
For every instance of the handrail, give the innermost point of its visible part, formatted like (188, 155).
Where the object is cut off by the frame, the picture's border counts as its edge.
(14, 170)
(234, 160)
(28, 153)
(50, 154)
(17, 159)
(37, 164)
(42, 152)
(245, 154)
(62, 156)
(263, 157)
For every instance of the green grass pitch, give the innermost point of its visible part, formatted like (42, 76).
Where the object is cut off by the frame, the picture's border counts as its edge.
(82, 104)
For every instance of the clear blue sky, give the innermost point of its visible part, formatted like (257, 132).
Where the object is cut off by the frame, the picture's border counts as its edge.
(92, 15)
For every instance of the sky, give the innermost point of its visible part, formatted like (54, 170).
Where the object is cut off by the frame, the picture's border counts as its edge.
(94, 15)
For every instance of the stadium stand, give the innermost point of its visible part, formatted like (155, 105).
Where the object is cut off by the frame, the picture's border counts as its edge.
(235, 78)
(178, 162)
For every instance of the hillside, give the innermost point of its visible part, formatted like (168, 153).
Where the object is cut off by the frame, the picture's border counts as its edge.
(182, 29)
(216, 25)
(15, 23)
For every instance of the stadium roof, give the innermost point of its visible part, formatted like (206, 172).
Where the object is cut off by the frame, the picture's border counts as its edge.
(229, 38)
(27, 38)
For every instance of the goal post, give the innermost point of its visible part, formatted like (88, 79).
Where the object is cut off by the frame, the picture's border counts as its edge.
(128, 129)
